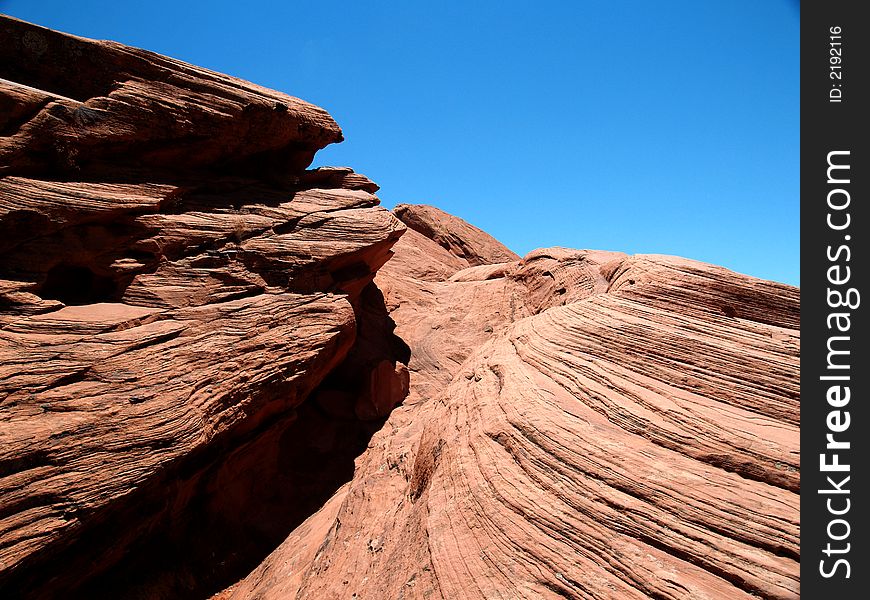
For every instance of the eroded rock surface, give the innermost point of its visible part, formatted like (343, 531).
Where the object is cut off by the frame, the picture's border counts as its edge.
(224, 374)
(580, 424)
(461, 239)
(75, 105)
(173, 285)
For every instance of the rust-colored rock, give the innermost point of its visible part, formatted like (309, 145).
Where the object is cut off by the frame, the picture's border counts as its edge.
(461, 239)
(72, 105)
(223, 374)
(162, 302)
(580, 424)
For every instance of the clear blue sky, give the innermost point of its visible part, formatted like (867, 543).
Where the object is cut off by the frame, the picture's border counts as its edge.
(668, 127)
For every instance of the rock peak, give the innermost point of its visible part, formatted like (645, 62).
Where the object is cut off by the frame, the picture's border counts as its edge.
(463, 240)
(125, 107)
(224, 375)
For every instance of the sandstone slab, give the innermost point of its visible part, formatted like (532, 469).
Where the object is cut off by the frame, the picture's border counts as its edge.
(580, 424)
(173, 285)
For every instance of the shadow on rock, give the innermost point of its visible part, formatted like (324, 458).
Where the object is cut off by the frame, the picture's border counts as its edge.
(227, 518)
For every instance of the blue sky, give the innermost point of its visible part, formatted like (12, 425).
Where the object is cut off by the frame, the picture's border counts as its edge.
(667, 127)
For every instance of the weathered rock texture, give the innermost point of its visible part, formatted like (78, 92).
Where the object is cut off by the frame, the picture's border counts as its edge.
(72, 105)
(466, 242)
(214, 379)
(173, 284)
(580, 424)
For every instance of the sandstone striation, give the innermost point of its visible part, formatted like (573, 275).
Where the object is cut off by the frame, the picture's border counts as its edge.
(461, 239)
(75, 105)
(165, 296)
(580, 424)
(223, 374)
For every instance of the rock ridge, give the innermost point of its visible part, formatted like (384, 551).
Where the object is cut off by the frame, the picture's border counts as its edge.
(580, 424)
(226, 375)
(173, 285)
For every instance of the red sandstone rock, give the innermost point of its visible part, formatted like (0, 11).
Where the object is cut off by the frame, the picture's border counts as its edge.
(156, 315)
(580, 424)
(73, 105)
(461, 239)
(198, 337)
(387, 387)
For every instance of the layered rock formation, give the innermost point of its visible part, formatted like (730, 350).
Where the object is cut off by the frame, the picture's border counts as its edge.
(580, 424)
(173, 285)
(225, 374)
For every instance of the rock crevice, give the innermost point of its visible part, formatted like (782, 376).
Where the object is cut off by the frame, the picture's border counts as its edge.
(225, 375)
(579, 424)
(174, 284)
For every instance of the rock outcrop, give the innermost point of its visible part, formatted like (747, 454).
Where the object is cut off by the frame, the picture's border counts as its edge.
(223, 374)
(462, 240)
(580, 424)
(72, 105)
(173, 285)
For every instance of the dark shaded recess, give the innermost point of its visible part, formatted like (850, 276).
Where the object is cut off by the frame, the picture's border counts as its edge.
(164, 160)
(30, 55)
(73, 263)
(210, 518)
(17, 221)
(73, 284)
(375, 340)
(156, 161)
(279, 167)
(28, 460)
(242, 508)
